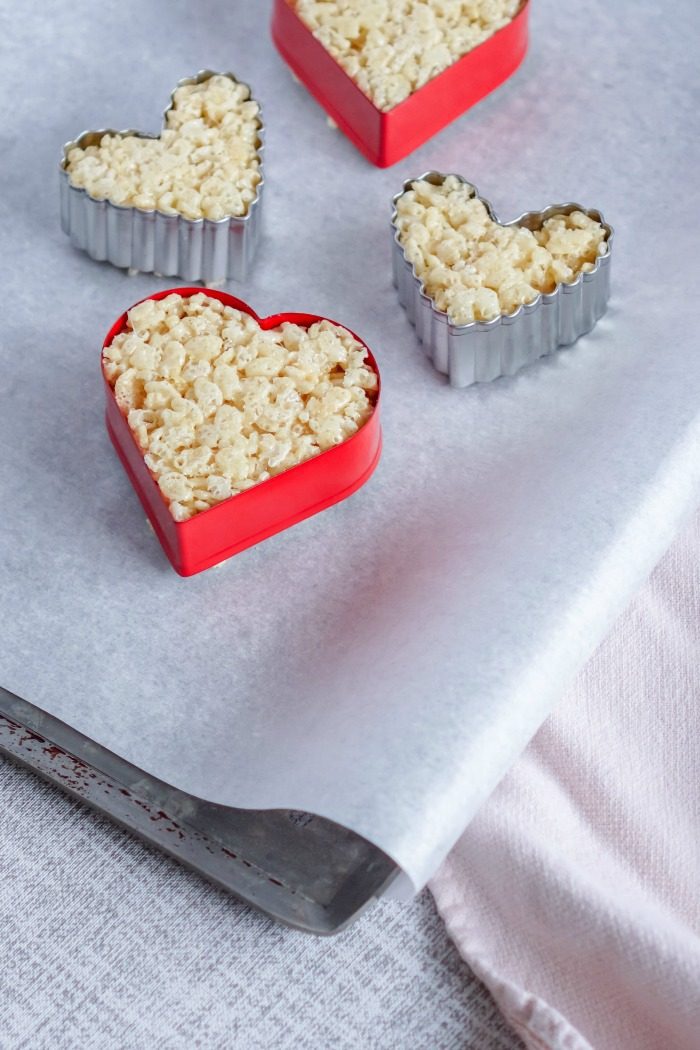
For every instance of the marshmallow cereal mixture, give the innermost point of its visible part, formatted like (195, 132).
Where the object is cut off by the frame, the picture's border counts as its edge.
(473, 268)
(218, 405)
(391, 48)
(205, 164)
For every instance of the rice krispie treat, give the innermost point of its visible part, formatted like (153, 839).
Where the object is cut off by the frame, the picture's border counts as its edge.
(218, 405)
(205, 164)
(473, 268)
(393, 47)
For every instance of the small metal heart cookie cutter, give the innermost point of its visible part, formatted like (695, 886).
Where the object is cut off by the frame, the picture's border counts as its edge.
(207, 250)
(484, 350)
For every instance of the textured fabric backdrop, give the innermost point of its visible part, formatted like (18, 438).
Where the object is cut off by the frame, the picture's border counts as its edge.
(107, 945)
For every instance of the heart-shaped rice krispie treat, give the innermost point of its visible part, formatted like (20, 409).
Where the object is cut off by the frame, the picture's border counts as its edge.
(391, 48)
(476, 269)
(217, 403)
(204, 164)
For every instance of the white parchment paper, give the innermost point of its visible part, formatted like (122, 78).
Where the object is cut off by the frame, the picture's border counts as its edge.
(383, 663)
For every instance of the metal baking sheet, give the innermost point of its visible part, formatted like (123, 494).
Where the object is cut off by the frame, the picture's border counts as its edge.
(382, 664)
(298, 868)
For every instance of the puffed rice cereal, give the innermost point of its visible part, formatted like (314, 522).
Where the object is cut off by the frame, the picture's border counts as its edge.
(218, 405)
(205, 164)
(391, 48)
(473, 268)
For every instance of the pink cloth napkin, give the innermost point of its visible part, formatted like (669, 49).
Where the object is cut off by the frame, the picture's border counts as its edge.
(575, 894)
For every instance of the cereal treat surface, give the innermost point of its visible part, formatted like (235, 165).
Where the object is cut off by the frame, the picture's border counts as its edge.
(473, 268)
(205, 164)
(218, 405)
(393, 47)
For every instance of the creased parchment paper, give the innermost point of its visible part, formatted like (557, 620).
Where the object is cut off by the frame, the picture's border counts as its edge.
(385, 662)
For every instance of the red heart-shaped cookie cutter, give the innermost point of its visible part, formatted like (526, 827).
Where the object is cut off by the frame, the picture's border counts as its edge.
(268, 507)
(387, 137)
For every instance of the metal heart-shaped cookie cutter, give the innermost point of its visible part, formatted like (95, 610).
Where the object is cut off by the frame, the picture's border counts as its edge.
(207, 250)
(484, 350)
